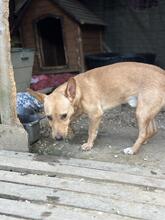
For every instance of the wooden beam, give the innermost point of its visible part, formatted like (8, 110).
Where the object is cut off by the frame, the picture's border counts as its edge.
(7, 82)
(80, 57)
(8, 113)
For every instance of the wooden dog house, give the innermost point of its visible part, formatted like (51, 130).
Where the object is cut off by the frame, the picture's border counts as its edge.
(61, 31)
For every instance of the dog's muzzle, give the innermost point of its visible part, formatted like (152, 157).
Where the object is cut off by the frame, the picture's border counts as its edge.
(59, 137)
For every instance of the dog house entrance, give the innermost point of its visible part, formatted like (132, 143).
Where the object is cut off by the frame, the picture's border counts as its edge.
(51, 43)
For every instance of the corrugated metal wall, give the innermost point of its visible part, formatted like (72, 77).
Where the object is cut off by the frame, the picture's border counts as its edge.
(133, 29)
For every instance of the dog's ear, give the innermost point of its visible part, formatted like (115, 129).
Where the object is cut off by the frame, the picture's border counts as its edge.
(39, 96)
(70, 91)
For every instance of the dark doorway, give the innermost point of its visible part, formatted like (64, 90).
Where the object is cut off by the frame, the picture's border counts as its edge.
(51, 42)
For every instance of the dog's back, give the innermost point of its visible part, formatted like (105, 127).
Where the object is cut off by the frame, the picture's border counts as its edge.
(114, 84)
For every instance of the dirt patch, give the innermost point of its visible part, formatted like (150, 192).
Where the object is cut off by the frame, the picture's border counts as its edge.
(118, 130)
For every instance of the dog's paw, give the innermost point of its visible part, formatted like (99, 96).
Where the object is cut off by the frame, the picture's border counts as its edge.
(86, 147)
(128, 151)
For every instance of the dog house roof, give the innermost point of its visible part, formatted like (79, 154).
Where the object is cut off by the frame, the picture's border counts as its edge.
(73, 8)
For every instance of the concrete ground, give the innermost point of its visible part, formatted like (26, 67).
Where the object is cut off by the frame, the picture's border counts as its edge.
(13, 138)
(118, 130)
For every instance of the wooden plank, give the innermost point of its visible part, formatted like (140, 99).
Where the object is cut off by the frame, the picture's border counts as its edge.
(106, 204)
(110, 190)
(21, 165)
(92, 164)
(5, 217)
(115, 167)
(80, 187)
(8, 112)
(25, 209)
(21, 209)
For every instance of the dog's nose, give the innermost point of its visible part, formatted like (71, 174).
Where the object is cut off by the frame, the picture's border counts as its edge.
(58, 137)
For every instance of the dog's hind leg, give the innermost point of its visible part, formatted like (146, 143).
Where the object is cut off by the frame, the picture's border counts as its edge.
(151, 130)
(146, 111)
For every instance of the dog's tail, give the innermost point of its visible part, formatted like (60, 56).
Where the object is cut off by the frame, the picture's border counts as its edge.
(37, 95)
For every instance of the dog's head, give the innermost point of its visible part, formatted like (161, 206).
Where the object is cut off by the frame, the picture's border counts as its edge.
(59, 108)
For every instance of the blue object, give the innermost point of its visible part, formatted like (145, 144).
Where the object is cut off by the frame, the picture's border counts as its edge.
(28, 108)
(27, 104)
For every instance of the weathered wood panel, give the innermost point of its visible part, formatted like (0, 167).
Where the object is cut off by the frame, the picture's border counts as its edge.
(106, 166)
(81, 200)
(92, 40)
(8, 113)
(26, 209)
(110, 190)
(4, 217)
(38, 187)
(101, 175)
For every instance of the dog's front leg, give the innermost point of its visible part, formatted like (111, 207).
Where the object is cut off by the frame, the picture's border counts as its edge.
(70, 131)
(92, 132)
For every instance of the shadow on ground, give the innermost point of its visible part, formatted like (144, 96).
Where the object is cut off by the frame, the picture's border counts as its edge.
(118, 130)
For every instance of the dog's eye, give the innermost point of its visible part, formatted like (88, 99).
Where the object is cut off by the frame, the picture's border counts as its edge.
(63, 116)
(50, 118)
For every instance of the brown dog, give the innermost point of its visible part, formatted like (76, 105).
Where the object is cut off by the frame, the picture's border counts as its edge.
(103, 88)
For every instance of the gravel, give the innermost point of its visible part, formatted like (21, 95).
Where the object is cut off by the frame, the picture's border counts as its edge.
(120, 117)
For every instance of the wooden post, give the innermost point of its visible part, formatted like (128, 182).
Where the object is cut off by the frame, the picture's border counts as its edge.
(81, 62)
(12, 134)
(7, 83)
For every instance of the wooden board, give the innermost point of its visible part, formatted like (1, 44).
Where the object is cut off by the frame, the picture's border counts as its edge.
(33, 187)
